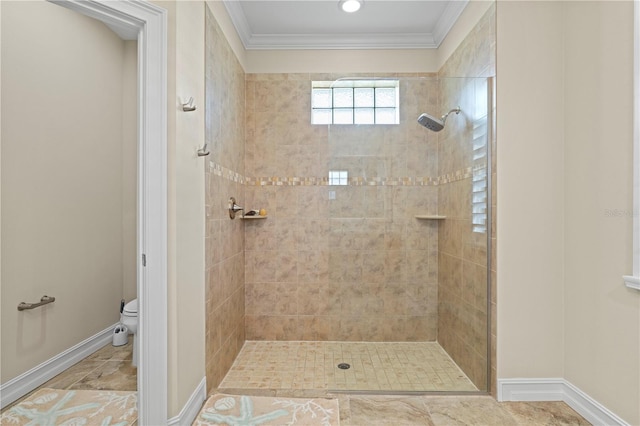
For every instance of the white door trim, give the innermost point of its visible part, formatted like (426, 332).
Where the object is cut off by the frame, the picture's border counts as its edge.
(149, 22)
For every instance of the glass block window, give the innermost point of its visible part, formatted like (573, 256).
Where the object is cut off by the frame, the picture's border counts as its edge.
(338, 177)
(355, 102)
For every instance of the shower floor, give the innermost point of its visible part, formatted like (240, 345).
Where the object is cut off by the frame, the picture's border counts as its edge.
(375, 366)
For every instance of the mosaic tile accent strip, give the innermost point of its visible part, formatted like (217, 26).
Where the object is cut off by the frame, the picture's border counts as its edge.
(352, 181)
(229, 174)
(401, 366)
(286, 181)
(456, 176)
(225, 173)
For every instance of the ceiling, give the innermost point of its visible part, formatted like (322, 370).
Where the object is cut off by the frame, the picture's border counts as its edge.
(320, 24)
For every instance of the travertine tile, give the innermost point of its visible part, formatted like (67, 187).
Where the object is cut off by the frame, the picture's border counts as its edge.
(113, 353)
(226, 91)
(374, 366)
(72, 375)
(111, 375)
(543, 413)
(392, 411)
(109, 368)
(480, 410)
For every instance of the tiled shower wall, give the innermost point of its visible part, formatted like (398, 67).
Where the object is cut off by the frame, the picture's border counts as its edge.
(358, 266)
(224, 242)
(462, 303)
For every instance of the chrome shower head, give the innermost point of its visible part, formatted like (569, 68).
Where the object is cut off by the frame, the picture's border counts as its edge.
(433, 123)
(430, 122)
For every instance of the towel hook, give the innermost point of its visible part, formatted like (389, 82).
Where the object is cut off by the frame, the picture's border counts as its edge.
(189, 106)
(204, 151)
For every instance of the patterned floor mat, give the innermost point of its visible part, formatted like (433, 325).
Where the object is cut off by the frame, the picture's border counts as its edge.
(229, 410)
(74, 407)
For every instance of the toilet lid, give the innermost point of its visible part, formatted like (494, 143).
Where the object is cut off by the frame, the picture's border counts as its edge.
(131, 307)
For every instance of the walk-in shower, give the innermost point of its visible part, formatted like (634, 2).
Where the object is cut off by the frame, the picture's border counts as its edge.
(376, 251)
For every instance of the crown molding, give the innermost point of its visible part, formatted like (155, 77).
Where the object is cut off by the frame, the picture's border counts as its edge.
(253, 41)
(448, 19)
(339, 41)
(239, 20)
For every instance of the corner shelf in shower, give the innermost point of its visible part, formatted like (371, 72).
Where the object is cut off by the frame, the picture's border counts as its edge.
(430, 217)
(252, 217)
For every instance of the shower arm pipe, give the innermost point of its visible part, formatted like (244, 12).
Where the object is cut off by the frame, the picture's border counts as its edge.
(444, 117)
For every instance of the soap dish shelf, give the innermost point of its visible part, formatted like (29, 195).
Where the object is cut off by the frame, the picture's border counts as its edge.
(430, 217)
(252, 217)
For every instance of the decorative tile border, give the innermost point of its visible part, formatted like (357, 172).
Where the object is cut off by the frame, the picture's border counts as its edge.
(225, 173)
(456, 176)
(229, 174)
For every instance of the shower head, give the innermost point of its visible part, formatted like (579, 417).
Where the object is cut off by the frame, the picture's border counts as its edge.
(433, 123)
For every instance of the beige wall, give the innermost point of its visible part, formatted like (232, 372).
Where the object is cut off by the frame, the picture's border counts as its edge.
(601, 316)
(189, 181)
(357, 61)
(63, 184)
(530, 156)
(129, 169)
(186, 315)
(565, 159)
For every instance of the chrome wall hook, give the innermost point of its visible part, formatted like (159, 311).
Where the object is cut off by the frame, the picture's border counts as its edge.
(204, 151)
(188, 106)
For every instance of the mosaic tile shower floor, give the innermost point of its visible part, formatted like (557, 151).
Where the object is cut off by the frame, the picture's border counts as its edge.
(388, 366)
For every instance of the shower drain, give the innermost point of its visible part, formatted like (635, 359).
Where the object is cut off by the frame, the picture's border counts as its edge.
(344, 366)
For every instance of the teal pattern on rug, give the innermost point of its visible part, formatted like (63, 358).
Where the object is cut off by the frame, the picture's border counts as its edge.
(48, 407)
(246, 417)
(50, 417)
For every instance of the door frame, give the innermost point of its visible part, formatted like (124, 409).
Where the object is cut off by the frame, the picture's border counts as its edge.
(149, 22)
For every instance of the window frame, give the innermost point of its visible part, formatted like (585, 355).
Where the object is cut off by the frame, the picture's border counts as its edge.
(354, 84)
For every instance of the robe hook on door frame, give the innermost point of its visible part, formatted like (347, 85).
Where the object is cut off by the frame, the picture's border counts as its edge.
(188, 106)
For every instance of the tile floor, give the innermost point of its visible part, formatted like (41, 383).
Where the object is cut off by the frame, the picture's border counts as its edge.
(308, 370)
(398, 366)
(421, 410)
(109, 368)
(452, 410)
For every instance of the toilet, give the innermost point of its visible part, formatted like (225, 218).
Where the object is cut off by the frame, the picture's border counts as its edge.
(129, 318)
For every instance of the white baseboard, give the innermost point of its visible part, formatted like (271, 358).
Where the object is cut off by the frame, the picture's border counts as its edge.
(191, 409)
(26, 382)
(558, 390)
